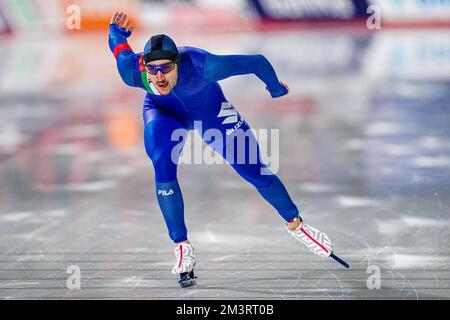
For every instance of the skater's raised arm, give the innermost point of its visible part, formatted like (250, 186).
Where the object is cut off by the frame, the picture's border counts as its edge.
(119, 31)
(218, 67)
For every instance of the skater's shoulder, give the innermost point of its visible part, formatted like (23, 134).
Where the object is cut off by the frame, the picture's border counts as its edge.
(192, 53)
(192, 61)
(191, 50)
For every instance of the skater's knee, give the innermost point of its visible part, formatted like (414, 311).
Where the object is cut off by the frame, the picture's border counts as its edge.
(261, 181)
(165, 168)
(157, 138)
(255, 175)
(160, 157)
(264, 180)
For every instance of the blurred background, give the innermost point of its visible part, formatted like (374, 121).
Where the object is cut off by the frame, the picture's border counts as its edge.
(364, 145)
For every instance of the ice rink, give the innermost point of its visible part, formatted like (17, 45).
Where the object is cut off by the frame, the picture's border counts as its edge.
(364, 151)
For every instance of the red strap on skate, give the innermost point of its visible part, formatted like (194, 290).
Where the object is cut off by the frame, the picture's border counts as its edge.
(181, 256)
(303, 230)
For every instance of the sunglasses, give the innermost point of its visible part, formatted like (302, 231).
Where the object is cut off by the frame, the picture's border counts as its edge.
(164, 68)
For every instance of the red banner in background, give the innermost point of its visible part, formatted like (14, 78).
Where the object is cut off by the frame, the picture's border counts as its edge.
(4, 26)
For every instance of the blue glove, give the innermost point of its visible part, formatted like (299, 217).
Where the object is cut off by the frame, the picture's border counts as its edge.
(122, 31)
(282, 90)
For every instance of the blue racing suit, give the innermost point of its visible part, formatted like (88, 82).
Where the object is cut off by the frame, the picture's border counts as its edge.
(198, 98)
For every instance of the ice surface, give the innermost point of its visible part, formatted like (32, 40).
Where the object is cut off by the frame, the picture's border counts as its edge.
(364, 153)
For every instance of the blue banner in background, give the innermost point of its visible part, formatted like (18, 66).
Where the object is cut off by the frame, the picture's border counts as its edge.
(292, 10)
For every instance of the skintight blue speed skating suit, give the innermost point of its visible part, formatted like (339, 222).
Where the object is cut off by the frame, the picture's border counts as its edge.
(197, 96)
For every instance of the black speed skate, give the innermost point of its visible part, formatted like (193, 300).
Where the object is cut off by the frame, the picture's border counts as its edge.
(187, 279)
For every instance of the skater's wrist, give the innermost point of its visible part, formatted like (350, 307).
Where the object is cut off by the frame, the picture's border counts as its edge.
(185, 241)
(294, 223)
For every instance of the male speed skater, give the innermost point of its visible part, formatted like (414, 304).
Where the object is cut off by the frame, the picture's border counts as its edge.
(182, 88)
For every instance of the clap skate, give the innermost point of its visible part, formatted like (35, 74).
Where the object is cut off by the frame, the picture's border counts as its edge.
(316, 241)
(184, 253)
(187, 279)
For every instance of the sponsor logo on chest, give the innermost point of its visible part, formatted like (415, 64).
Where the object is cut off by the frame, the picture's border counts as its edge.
(230, 116)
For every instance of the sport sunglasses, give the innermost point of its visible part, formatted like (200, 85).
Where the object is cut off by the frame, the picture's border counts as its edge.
(164, 68)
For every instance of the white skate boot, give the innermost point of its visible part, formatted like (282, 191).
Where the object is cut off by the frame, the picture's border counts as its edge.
(184, 253)
(315, 240)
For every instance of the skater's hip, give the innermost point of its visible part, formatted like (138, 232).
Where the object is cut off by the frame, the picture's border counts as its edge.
(151, 114)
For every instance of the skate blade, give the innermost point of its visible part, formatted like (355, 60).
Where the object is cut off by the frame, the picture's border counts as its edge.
(188, 283)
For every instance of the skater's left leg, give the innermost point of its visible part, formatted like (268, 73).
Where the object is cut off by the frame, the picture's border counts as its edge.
(246, 160)
(267, 183)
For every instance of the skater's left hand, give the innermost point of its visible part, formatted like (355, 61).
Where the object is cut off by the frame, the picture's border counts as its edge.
(283, 90)
(284, 84)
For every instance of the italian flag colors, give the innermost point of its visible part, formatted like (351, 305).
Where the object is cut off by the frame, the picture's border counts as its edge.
(149, 86)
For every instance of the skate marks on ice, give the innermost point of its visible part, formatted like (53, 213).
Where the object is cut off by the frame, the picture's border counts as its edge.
(231, 275)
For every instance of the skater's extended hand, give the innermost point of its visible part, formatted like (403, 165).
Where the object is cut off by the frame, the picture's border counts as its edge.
(282, 91)
(284, 84)
(120, 19)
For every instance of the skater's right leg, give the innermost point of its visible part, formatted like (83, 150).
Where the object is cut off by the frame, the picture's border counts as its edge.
(164, 154)
(164, 140)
